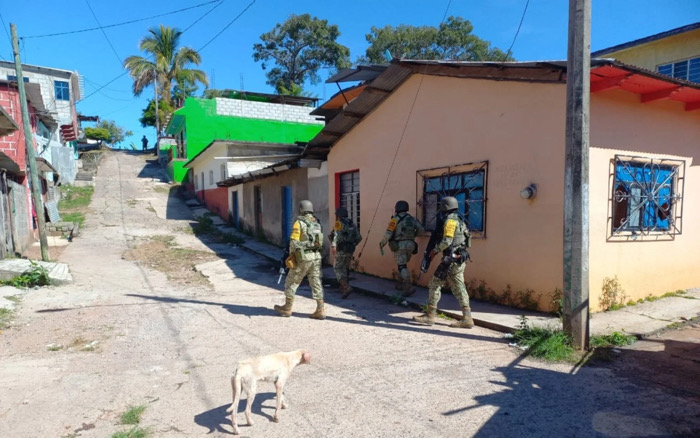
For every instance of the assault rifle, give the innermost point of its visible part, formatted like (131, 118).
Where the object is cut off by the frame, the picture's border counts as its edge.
(283, 267)
(435, 238)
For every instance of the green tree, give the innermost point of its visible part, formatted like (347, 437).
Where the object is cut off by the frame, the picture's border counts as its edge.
(298, 49)
(100, 134)
(452, 40)
(165, 61)
(115, 134)
(148, 115)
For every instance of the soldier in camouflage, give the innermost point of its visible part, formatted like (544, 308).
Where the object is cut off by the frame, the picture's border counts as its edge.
(344, 238)
(305, 243)
(400, 235)
(455, 241)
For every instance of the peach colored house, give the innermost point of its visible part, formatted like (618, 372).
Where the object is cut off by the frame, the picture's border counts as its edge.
(484, 132)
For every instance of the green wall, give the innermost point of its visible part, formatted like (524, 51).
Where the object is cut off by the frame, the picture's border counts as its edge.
(203, 125)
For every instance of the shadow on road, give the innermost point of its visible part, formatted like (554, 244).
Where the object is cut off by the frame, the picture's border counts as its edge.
(215, 419)
(541, 402)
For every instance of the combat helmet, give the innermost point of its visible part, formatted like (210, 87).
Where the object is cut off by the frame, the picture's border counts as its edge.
(341, 212)
(401, 206)
(306, 206)
(448, 203)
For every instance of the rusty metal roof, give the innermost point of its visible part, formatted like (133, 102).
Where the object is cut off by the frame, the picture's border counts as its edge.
(605, 74)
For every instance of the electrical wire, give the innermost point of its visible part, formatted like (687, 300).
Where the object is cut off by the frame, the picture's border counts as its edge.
(393, 161)
(4, 26)
(119, 59)
(205, 14)
(446, 9)
(126, 72)
(125, 22)
(517, 32)
(227, 26)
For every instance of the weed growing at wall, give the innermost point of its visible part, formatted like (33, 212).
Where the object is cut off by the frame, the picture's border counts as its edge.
(523, 299)
(613, 296)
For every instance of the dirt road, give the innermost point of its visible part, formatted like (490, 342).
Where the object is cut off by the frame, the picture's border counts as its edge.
(124, 334)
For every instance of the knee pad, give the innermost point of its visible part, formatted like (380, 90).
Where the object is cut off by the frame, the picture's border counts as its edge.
(402, 267)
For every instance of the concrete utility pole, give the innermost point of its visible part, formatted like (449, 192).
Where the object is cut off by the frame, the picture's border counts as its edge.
(578, 74)
(31, 153)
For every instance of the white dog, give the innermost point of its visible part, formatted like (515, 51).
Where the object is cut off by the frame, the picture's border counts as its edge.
(272, 368)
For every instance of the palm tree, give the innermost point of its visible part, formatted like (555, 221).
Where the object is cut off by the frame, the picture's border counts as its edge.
(165, 60)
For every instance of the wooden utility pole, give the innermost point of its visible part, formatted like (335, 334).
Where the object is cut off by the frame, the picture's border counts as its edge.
(578, 74)
(31, 153)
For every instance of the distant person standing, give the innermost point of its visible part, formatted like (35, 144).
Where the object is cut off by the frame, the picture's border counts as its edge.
(144, 143)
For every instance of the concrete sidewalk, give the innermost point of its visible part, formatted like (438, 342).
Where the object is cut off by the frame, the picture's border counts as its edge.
(640, 320)
(59, 273)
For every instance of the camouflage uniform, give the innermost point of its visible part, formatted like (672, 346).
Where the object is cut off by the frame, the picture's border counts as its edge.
(344, 238)
(400, 234)
(305, 243)
(454, 236)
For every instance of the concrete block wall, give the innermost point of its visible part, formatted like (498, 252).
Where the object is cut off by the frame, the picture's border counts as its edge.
(265, 110)
(48, 93)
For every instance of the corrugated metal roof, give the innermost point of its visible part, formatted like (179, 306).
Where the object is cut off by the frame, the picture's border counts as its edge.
(359, 73)
(615, 74)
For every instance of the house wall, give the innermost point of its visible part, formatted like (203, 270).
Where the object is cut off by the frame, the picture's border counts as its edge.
(265, 110)
(518, 128)
(664, 51)
(213, 197)
(660, 129)
(271, 188)
(458, 121)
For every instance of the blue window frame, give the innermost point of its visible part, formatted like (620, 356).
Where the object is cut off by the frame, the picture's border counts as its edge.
(688, 69)
(14, 78)
(62, 90)
(467, 186)
(645, 197)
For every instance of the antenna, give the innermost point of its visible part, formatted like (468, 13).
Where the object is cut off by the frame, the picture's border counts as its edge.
(242, 85)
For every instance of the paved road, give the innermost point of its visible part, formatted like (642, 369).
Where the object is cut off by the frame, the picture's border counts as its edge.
(373, 374)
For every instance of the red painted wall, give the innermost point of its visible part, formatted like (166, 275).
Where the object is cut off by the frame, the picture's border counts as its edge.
(13, 145)
(216, 200)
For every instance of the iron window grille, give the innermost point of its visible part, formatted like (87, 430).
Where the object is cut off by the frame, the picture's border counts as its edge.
(466, 182)
(646, 197)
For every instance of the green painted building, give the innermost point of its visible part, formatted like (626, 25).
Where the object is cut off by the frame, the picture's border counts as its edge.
(244, 117)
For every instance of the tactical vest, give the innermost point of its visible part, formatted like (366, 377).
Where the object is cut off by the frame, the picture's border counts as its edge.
(462, 237)
(406, 228)
(312, 237)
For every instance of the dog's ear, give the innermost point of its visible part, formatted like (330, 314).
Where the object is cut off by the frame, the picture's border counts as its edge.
(305, 358)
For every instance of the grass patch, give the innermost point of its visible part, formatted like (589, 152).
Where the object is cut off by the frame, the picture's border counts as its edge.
(74, 197)
(151, 209)
(133, 415)
(552, 345)
(37, 275)
(5, 318)
(614, 339)
(134, 432)
(205, 227)
(75, 216)
(54, 347)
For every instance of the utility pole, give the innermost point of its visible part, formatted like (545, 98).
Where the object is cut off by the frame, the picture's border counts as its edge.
(578, 76)
(31, 153)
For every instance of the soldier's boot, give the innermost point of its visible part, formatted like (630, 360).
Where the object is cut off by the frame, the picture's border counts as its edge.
(428, 317)
(320, 312)
(467, 321)
(345, 288)
(408, 289)
(285, 310)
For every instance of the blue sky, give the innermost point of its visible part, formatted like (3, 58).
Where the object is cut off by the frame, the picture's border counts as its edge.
(228, 59)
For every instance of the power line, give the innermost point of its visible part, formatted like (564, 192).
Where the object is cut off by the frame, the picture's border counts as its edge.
(446, 9)
(187, 28)
(119, 59)
(4, 26)
(517, 32)
(125, 22)
(227, 26)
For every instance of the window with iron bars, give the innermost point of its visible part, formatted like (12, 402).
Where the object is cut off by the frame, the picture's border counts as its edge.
(647, 196)
(466, 182)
